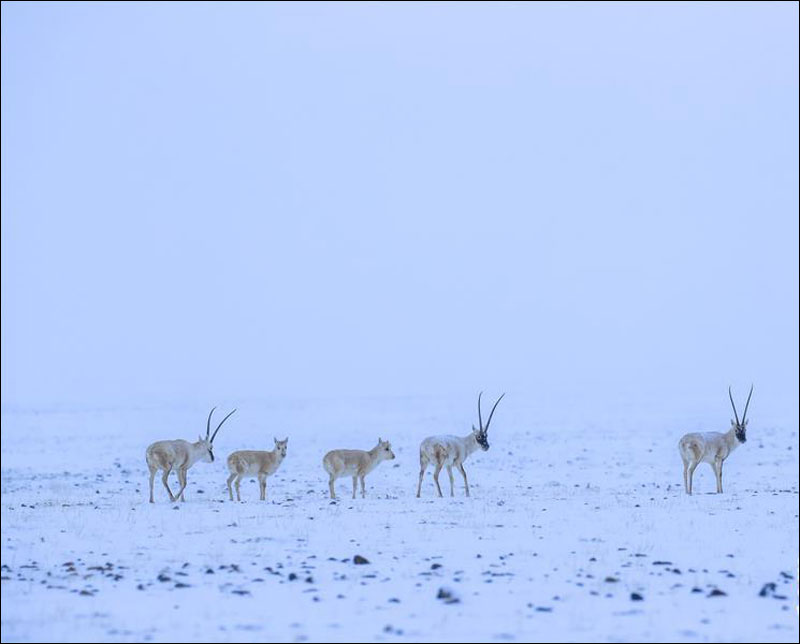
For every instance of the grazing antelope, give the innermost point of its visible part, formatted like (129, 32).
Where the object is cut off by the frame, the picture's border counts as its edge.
(449, 451)
(253, 463)
(712, 447)
(356, 463)
(180, 455)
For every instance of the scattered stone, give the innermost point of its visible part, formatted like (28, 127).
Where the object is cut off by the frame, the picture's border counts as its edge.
(717, 593)
(359, 560)
(767, 590)
(636, 597)
(447, 596)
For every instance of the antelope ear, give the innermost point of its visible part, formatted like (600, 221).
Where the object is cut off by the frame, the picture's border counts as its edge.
(200, 438)
(746, 421)
(380, 440)
(275, 439)
(286, 440)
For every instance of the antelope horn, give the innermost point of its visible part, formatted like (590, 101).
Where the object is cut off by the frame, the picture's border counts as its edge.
(480, 420)
(208, 423)
(747, 404)
(488, 422)
(730, 395)
(214, 435)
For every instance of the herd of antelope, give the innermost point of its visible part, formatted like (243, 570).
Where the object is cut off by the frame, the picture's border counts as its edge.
(442, 451)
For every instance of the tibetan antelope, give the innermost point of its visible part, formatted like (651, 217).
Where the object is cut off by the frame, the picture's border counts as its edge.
(254, 463)
(180, 455)
(356, 463)
(451, 451)
(712, 447)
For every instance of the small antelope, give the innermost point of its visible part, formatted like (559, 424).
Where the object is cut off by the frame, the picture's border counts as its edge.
(712, 447)
(254, 463)
(356, 463)
(180, 455)
(448, 451)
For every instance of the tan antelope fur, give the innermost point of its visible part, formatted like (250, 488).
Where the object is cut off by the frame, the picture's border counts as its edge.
(255, 463)
(356, 463)
(451, 451)
(180, 455)
(712, 447)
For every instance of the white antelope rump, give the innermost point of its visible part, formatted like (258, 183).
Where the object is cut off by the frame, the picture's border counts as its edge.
(255, 463)
(356, 463)
(180, 455)
(712, 447)
(451, 451)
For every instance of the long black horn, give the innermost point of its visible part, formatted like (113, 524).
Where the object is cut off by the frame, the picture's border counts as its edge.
(730, 395)
(488, 422)
(747, 404)
(214, 435)
(208, 423)
(480, 420)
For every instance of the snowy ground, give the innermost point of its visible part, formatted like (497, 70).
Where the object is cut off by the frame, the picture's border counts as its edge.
(568, 520)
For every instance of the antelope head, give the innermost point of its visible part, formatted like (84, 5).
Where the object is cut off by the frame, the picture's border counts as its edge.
(740, 428)
(280, 446)
(482, 433)
(207, 443)
(384, 449)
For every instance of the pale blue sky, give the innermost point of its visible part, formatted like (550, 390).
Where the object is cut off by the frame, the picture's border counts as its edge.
(223, 201)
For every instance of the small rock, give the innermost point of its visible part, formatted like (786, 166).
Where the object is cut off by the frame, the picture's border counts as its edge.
(717, 593)
(767, 589)
(359, 560)
(636, 597)
(447, 596)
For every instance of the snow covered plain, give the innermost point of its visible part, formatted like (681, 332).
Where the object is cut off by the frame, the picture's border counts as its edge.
(570, 520)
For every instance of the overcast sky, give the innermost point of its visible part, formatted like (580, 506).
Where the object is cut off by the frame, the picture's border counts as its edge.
(228, 201)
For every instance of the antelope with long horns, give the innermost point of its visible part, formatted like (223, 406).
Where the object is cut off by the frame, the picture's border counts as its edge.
(713, 447)
(451, 451)
(180, 455)
(255, 463)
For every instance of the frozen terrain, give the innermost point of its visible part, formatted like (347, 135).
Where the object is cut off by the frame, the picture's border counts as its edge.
(567, 525)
